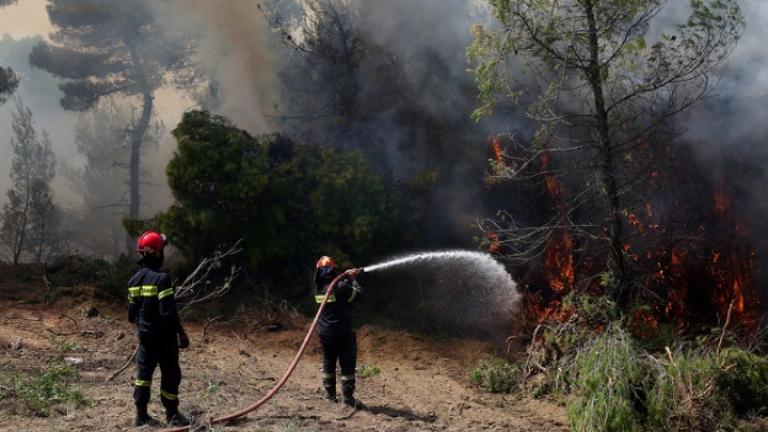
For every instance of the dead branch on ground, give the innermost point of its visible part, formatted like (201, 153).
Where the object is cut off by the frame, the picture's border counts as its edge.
(127, 363)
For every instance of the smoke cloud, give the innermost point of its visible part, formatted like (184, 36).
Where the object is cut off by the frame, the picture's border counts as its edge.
(241, 75)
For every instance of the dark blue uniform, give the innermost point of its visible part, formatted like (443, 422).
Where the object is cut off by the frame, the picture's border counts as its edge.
(336, 336)
(152, 307)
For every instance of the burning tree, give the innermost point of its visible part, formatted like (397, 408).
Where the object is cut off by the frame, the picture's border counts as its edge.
(601, 94)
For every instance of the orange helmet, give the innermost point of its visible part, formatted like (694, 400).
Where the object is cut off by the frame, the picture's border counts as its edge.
(325, 262)
(151, 241)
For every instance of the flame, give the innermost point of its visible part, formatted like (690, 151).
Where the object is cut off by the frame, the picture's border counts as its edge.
(558, 255)
(722, 200)
(494, 244)
(498, 151)
(732, 267)
(559, 261)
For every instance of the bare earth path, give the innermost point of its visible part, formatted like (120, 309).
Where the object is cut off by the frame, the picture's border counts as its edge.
(422, 385)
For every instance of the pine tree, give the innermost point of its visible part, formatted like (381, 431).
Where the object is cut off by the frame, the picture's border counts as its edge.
(28, 217)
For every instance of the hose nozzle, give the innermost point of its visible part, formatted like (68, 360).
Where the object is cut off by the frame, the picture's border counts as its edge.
(354, 273)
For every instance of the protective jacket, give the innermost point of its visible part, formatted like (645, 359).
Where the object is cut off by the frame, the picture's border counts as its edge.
(337, 315)
(152, 306)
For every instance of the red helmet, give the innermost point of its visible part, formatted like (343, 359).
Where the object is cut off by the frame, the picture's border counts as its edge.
(324, 262)
(151, 241)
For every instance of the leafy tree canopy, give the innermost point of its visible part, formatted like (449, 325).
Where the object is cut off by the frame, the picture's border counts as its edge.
(290, 202)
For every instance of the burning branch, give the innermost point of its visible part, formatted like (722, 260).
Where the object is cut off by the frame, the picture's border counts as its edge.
(197, 288)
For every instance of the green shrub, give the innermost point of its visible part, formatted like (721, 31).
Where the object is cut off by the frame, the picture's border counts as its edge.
(289, 202)
(37, 394)
(367, 371)
(682, 394)
(744, 381)
(496, 375)
(606, 378)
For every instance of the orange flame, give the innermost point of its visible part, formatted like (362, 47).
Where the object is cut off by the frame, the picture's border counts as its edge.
(498, 151)
(558, 256)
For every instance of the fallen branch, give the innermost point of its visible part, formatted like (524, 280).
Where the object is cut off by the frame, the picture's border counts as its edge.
(531, 348)
(127, 363)
(96, 333)
(197, 288)
(725, 328)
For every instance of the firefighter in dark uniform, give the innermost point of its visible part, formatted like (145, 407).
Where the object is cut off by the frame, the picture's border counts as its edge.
(153, 309)
(335, 330)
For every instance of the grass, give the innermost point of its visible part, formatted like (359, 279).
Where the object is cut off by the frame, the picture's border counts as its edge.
(64, 346)
(368, 371)
(612, 380)
(211, 390)
(37, 394)
(607, 380)
(496, 375)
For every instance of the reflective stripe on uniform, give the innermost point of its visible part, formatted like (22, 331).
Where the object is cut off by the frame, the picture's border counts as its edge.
(319, 298)
(329, 375)
(169, 396)
(347, 378)
(165, 293)
(142, 383)
(142, 291)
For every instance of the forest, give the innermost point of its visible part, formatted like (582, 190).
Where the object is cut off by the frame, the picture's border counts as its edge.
(555, 207)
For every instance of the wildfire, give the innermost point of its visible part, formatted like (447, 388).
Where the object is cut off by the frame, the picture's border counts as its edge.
(558, 256)
(494, 245)
(732, 267)
(498, 151)
(722, 200)
(559, 261)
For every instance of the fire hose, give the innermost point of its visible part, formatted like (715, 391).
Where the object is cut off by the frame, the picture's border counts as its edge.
(273, 391)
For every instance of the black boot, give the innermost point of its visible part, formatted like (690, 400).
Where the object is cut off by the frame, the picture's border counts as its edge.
(175, 418)
(143, 417)
(329, 384)
(348, 392)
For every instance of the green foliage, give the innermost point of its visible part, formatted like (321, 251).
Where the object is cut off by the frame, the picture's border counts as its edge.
(37, 394)
(496, 375)
(682, 394)
(606, 377)
(744, 380)
(614, 383)
(289, 202)
(368, 371)
(64, 346)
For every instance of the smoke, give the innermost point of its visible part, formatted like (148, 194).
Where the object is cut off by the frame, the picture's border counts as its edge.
(233, 60)
(413, 87)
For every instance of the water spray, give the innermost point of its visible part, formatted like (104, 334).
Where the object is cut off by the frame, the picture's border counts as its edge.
(482, 261)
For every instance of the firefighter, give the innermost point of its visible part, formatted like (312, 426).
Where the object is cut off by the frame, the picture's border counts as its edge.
(335, 330)
(152, 307)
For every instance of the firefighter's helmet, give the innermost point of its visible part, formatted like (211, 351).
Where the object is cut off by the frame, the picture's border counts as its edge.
(325, 262)
(151, 241)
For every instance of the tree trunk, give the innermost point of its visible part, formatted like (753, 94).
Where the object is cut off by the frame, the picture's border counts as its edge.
(137, 138)
(615, 224)
(19, 246)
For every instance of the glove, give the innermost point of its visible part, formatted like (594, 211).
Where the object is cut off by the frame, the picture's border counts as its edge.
(183, 340)
(354, 273)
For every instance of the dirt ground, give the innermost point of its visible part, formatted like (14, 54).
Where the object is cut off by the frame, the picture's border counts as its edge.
(422, 385)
